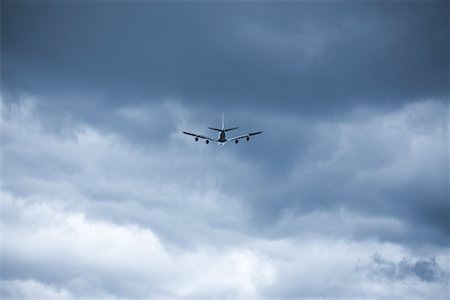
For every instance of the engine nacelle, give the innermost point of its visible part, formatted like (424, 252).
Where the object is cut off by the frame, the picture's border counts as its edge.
(196, 139)
(207, 142)
(236, 141)
(248, 138)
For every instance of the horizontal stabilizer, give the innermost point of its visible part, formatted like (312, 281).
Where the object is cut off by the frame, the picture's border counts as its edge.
(216, 129)
(231, 129)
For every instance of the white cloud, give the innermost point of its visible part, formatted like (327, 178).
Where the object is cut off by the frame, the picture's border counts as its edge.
(68, 255)
(31, 289)
(73, 253)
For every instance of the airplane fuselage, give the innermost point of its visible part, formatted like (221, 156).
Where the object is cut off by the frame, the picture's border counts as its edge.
(222, 137)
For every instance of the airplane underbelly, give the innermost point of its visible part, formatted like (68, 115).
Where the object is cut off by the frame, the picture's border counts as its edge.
(222, 138)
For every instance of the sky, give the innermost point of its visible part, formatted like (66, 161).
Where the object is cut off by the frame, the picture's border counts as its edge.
(344, 196)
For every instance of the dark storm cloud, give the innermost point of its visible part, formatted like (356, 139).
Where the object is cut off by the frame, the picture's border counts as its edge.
(354, 155)
(91, 59)
(302, 57)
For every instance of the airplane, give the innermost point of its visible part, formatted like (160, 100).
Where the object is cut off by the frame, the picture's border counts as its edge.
(222, 139)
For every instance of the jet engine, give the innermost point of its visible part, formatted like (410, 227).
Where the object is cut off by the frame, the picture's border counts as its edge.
(196, 139)
(236, 141)
(248, 139)
(207, 141)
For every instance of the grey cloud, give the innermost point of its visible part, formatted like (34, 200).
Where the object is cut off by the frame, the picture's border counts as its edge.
(190, 196)
(352, 101)
(242, 58)
(246, 54)
(426, 270)
(382, 166)
(250, 188)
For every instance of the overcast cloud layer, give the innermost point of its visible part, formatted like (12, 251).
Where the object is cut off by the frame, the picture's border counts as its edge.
(344, 195)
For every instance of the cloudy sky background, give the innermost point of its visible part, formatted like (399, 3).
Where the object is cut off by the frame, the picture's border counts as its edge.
(344, 195)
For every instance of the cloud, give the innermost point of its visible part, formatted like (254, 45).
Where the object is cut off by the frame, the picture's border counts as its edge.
(51, 252)
(344, 195)
(307, 58)
(382, 168)
(31, 289)
(97, 258)
(89, 214)
(426, 270)
(386, 166)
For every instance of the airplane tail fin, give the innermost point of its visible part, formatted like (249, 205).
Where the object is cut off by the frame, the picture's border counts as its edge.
(223, 126)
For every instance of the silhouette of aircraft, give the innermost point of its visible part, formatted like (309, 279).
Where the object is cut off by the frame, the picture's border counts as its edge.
(222, 138)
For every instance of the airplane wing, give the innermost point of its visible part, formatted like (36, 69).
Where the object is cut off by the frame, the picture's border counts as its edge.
(200, 136)
(247, 136)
